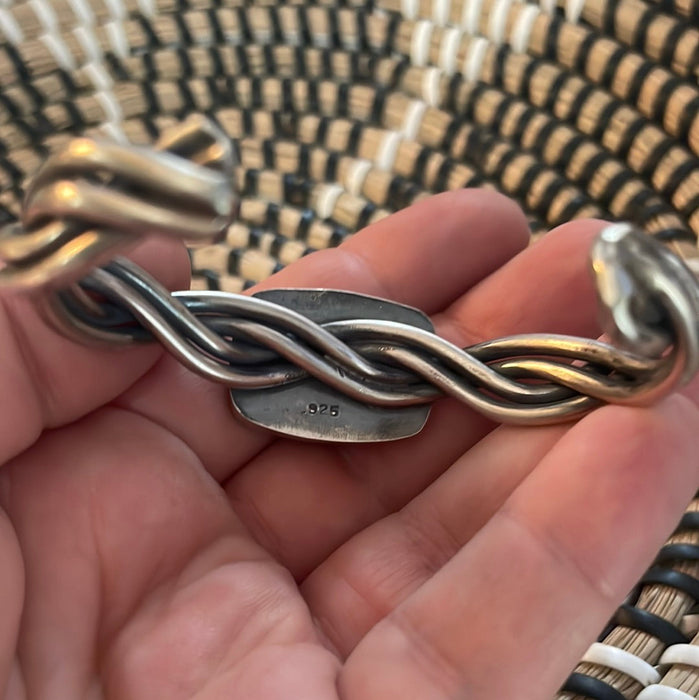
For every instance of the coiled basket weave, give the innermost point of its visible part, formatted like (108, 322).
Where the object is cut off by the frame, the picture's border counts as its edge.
(343, 112)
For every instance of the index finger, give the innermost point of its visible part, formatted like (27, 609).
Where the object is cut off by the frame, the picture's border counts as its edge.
(48, 380)
(510, 614)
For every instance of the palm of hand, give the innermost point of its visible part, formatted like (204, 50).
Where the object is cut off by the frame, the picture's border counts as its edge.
(168, 552)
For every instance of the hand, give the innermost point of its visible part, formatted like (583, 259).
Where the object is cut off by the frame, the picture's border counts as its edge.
(153, 547)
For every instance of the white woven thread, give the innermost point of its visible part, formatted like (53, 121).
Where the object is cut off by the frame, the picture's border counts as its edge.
(147, 7)
(327, 199)
(116, 9)
(292, 38)
(61, 53)
(471, 15)
(356, 175)
(573, 10)
(497, 21)
(82, 11)
(685, 654)
(263, 35)
(409, 8)
(441, 9)
(623, 661)
(473, 61)
(519, 41)
(99, 76)
(10, 28)
(45, 14)
(321, 41)
(449, 49)
(388, 150)
(117, 38)
(663, 692)
(113, 132)
(88, 41)
(110, 105)
(413, 118)
(420, 42)
(430, 86)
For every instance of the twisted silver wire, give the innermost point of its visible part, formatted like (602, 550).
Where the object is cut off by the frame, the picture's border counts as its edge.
(91, 199)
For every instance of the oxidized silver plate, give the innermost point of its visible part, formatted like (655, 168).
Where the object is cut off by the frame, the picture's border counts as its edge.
(311, 410)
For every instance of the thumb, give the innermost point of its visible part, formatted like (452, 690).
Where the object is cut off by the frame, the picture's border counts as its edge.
(47, 380)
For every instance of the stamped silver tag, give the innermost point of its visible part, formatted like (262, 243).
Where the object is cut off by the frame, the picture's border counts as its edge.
(308, 408)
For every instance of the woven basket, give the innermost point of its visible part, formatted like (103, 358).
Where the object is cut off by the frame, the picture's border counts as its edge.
(344, 112)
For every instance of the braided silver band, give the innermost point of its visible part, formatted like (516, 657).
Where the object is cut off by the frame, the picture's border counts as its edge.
(92, 199)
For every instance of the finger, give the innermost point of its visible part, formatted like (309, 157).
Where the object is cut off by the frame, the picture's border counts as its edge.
(381, 566)
(423, 256)
(49, 380)
(404, 257)
(548, 288)
(12, 595)
(107, 510)
(140, 580)
(512, 612)
(360, 484)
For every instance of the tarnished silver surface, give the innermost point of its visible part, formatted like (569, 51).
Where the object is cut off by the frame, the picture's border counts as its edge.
(312, 409)
(325, 364)
(93, 199)
(649, 298)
